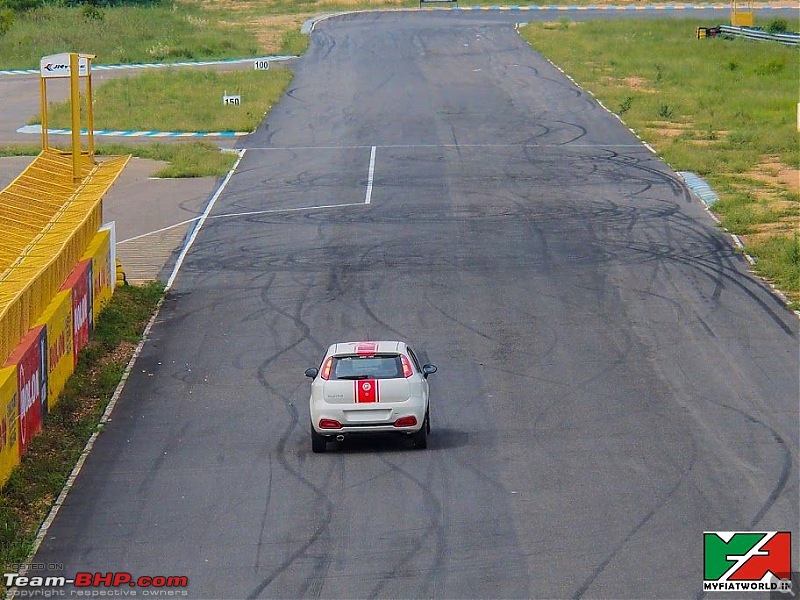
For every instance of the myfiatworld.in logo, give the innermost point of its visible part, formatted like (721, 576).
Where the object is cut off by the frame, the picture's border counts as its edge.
(758, 561)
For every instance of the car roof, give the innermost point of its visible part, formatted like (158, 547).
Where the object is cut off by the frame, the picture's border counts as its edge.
(366, 348)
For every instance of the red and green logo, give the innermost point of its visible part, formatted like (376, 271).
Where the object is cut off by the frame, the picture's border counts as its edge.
(747, 561)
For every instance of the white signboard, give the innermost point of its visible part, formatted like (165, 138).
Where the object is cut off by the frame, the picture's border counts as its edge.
(57, 65)
(261, 64)
(231, 100)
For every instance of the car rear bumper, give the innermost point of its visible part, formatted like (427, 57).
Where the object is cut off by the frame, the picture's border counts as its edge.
(368, 418)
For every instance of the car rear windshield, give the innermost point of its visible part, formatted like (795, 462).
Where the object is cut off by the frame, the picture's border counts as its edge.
(378, 366)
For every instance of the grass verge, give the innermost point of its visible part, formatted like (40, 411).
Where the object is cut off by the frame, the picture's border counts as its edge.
(181, 100)
(27, 496)
(725, 109)
(188, 159)
(124, 34)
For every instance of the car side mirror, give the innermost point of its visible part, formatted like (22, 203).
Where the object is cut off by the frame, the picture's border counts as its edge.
(428, 370)
(312, 372)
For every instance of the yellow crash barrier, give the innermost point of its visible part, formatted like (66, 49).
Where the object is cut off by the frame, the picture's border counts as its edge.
(99, 252)
(47, 222)
(9, 422)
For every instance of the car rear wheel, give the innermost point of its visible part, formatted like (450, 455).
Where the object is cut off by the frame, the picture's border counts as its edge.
(318, 442)
(420, 438)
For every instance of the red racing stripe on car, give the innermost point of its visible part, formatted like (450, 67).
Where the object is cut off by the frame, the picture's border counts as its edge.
(366, 390)
(366, 348)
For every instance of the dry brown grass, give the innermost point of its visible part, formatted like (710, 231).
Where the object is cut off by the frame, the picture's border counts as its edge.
(662, 132)
(773, 171)
(270, 29)
(638, 84)
(775, 178)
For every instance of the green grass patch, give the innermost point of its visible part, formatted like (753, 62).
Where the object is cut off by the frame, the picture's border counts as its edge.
(181, 100)
(26, 497)
(193, 159)
(187, 159)
(716, 107)
(20, 150)
(294, 43)
(125, 34)
(779, 261)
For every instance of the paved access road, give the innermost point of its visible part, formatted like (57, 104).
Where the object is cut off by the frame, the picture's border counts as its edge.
(612, 382)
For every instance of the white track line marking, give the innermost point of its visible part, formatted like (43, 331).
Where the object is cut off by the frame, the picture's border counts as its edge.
(156, 231)
(88, 447)
(201, 221)
(42, 534)
(370, 176)
(462, 146)
(273, 211)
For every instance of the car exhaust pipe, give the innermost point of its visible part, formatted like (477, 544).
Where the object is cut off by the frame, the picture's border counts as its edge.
(340, 438)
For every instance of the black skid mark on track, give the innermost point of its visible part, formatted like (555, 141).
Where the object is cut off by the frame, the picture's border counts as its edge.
(318, 490)
(581, 133)
(433, 508)
(636, 528)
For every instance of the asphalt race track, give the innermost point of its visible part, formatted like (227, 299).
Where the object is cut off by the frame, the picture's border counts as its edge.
(612, 381)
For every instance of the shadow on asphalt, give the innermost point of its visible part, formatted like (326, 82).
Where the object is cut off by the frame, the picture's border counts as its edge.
(438, 439)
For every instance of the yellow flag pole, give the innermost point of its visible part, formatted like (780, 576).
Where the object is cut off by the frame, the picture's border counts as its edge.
(43, 84)
(89, 108)
(75, 101)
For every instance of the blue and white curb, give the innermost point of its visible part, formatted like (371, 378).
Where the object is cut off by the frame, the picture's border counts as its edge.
(206, 63)
(145, 134)
(700, 187)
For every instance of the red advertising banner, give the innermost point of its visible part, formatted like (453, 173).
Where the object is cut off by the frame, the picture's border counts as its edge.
(30, 358)
(80, 283)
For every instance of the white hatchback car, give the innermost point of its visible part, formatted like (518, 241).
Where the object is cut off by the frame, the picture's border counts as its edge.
(369, 387)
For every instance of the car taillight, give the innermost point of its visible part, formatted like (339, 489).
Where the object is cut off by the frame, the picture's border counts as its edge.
(332, 424)
(326, 369)
(407, 372)
(406, 421)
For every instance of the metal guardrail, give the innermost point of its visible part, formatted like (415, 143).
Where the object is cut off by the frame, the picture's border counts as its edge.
(792, 39)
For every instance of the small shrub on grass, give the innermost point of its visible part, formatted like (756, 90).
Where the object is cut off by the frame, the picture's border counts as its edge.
(771, 66)
(665, 111)
(21, 6)
(6, 20)
(778, 26)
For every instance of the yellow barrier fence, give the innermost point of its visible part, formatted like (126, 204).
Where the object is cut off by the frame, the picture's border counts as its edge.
(37, 370)
(99, 252)
(9, 423)
(47, 223)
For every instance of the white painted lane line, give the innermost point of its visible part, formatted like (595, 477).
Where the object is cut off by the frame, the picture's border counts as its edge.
(411, 146)
(370, 176)
(200, 222)
(273, 211)
(250, 213)
(157, 231)
(76, 470)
